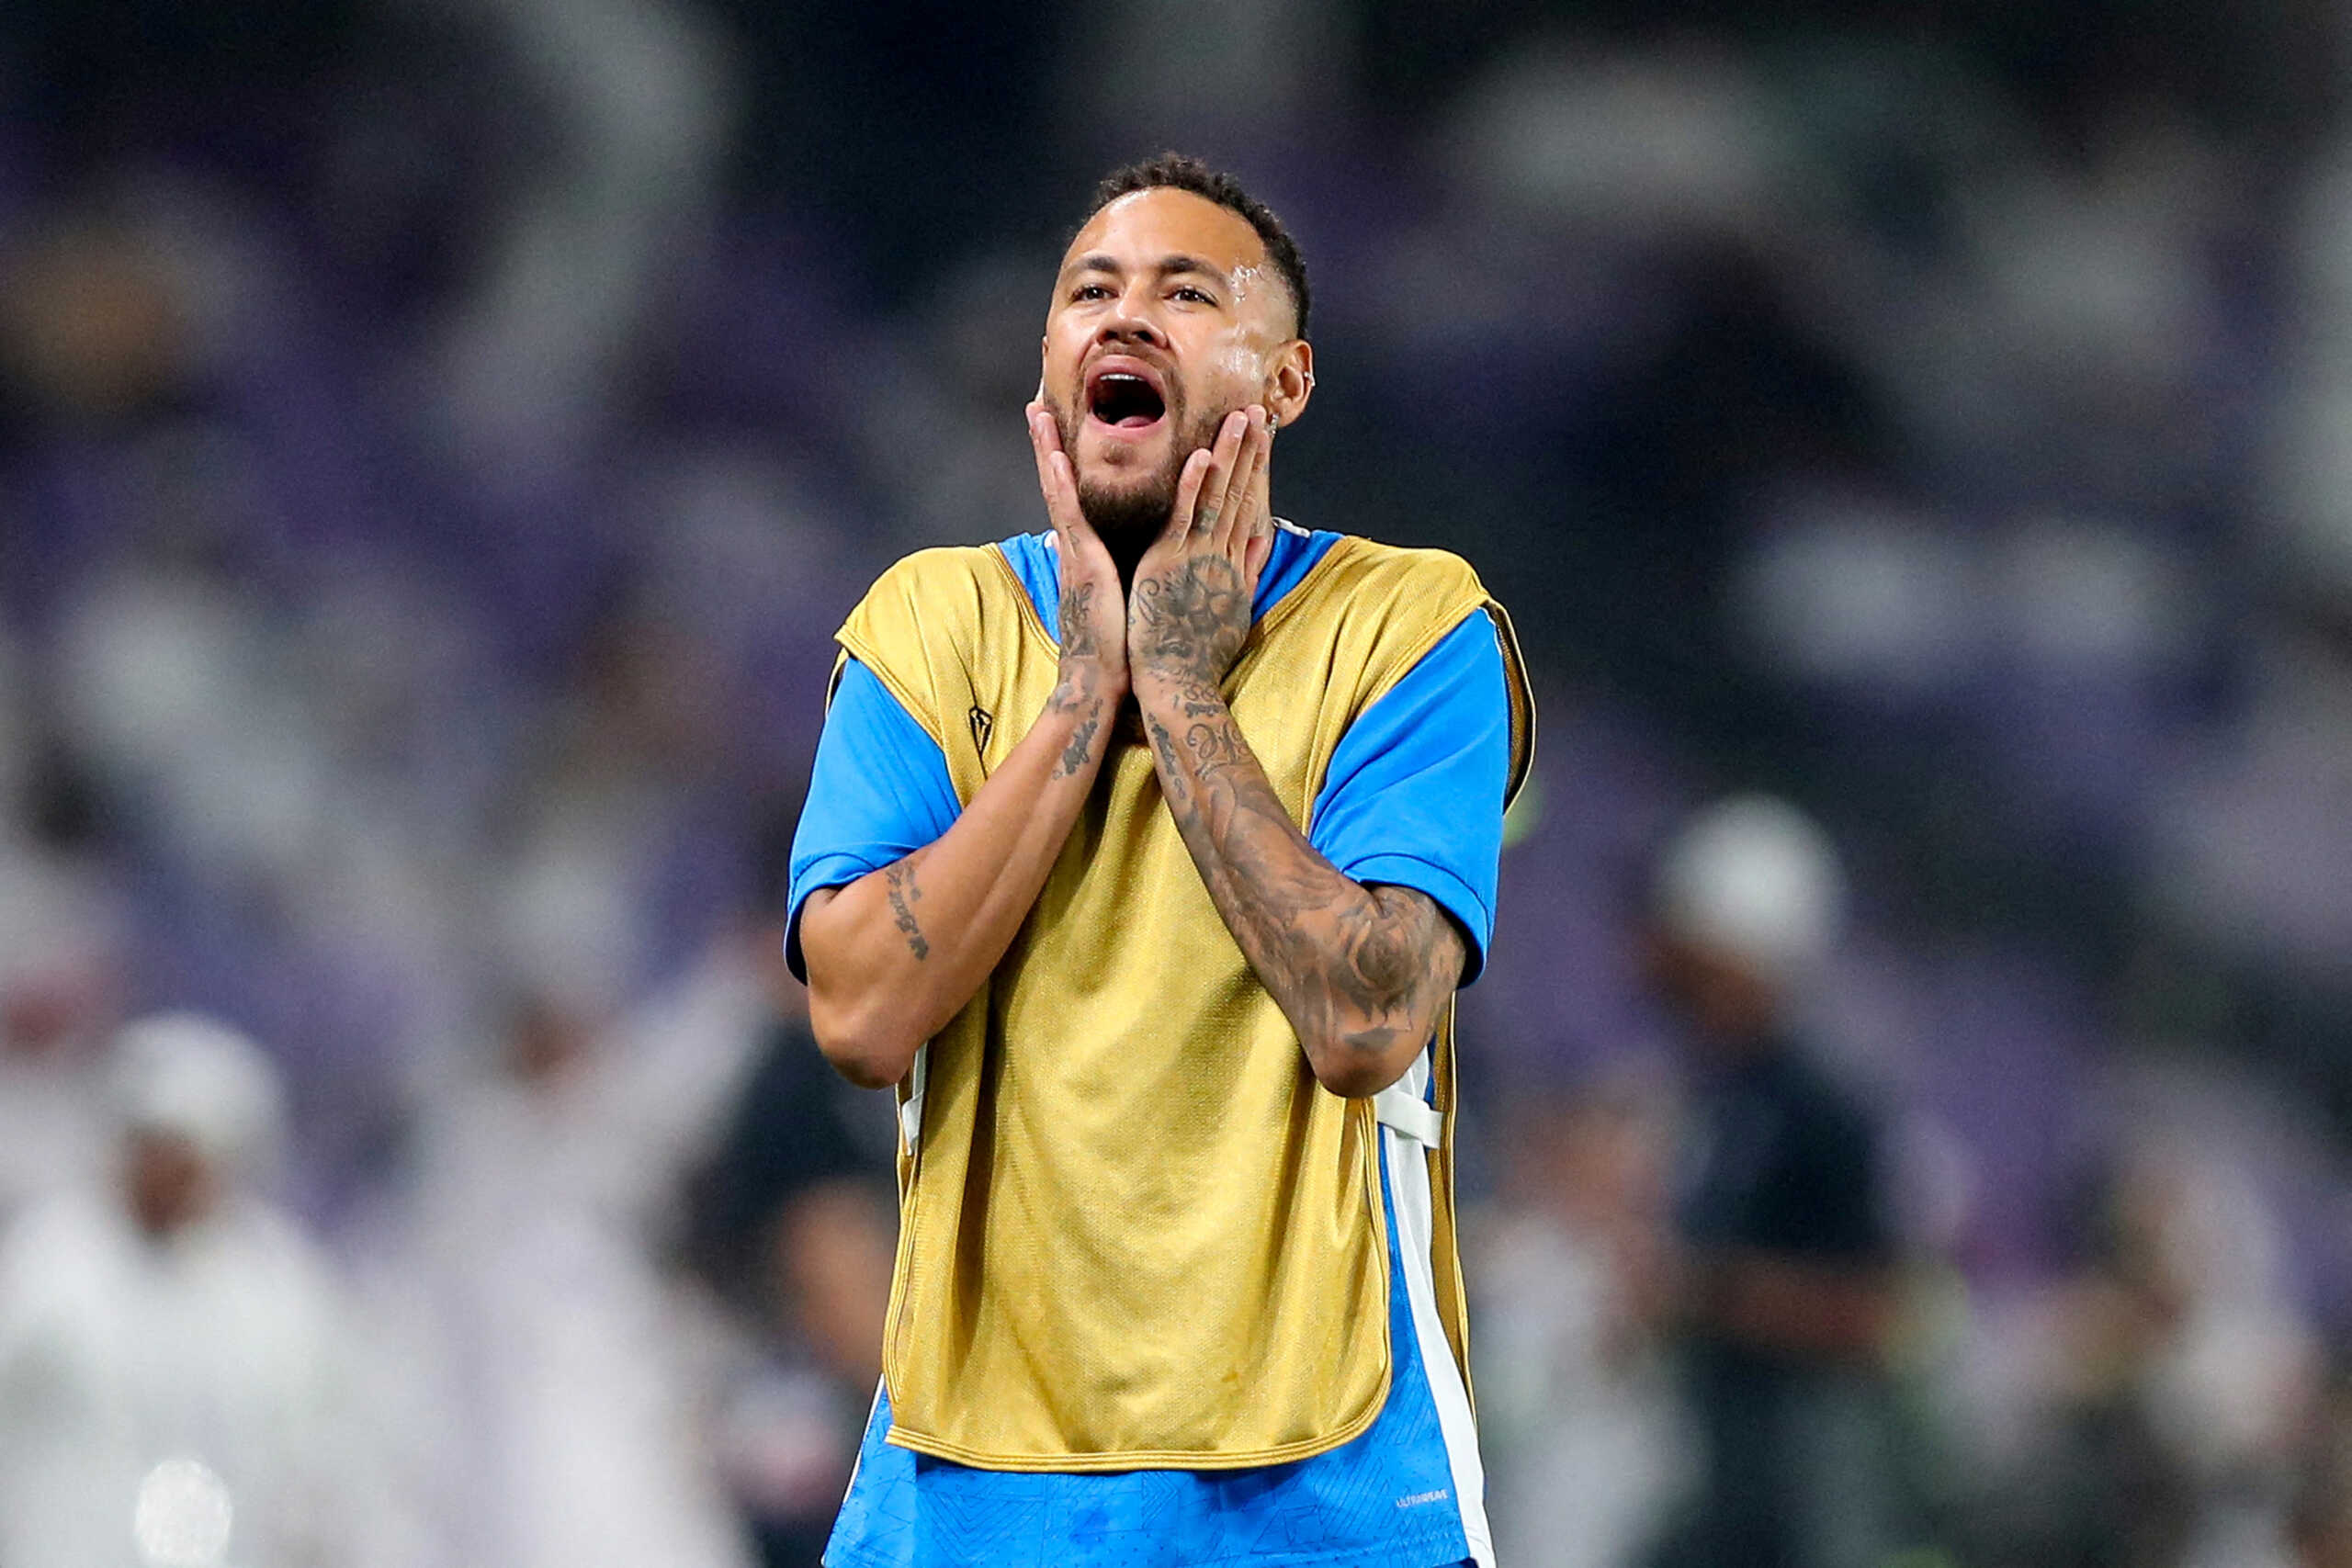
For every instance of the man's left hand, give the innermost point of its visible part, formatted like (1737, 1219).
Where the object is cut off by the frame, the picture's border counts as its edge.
(1188, 609)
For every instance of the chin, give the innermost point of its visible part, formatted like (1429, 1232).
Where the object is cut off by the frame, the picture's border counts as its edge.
(1128, 505)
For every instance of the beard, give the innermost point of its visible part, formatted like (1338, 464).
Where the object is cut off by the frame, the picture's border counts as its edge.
(1130, 513)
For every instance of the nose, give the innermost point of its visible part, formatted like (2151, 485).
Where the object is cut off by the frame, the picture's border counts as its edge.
(1130, 320)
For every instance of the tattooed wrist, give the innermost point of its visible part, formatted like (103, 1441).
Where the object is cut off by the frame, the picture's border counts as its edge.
(1190, 727)
(1081, 745)
(1081, 629)
(1080, 697)
(1081, 682)
(1184, 695)
(1085, 710)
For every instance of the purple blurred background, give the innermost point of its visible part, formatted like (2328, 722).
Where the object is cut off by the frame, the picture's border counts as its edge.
(437, 443)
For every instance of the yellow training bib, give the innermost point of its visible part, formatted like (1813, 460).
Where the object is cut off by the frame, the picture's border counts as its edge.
(1134, 1231)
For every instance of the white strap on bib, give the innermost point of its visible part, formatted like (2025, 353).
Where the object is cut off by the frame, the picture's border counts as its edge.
(1408, 1115)
(911, 1109)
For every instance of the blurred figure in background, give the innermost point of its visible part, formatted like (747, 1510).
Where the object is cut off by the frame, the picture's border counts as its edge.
(794, 1224)
(1788, 1292)
(799, 1230)
(1576, 1404)
(58, 981)
(2172, 1385)
(637, 96)
(570, 1373)
(173, 1366)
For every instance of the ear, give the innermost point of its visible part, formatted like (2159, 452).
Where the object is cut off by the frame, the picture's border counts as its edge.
(1290, 381)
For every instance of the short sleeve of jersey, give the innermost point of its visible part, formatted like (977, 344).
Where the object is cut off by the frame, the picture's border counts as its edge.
(880, 792)
(1414, 794)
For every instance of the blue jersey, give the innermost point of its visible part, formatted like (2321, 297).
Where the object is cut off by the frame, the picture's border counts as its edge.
(1412, 797)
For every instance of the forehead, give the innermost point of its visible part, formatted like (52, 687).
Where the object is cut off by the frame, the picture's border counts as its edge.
(1144, 225)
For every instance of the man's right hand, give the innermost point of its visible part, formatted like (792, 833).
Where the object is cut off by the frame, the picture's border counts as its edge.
(1093, 629)
(896, 954)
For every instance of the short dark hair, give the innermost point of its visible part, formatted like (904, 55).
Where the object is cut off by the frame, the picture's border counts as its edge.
(1175, 171)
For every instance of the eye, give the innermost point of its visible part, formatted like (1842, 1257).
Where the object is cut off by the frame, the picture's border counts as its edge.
(1197, 296)
(1090, 291)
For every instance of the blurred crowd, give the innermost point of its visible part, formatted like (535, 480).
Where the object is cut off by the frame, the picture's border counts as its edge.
(437, 445)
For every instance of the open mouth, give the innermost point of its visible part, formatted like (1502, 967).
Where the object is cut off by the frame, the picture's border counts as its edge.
(1125, 400)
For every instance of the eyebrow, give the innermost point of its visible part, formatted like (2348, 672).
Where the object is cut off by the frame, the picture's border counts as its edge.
(1169, 266)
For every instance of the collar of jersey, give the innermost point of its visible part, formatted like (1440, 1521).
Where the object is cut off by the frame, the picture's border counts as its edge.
(1034, 563)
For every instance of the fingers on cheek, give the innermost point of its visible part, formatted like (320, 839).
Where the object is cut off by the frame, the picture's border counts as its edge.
(1189, 484)
(1245, 461)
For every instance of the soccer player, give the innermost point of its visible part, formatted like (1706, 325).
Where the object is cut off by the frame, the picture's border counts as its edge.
(1144, 856)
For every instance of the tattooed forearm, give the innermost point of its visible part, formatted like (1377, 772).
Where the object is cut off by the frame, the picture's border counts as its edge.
(1082, 740)
(1360, 972)
(1211, 740)
(1395, 950)
(899, 882)
(1175, 782)
(1215, 746)
(1078, 697)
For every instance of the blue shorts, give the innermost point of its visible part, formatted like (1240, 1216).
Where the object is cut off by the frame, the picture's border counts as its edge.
(1407, 1494)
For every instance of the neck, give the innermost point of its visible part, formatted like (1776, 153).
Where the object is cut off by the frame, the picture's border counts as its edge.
(1128, 542)
(1126, 554)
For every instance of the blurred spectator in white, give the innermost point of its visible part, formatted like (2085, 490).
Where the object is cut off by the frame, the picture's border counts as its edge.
(57, 986)
(1577, 1413)
(1851, 593)
(2253, 860)
(1790, 1289)
(570, 1372)
(639, 95)
(2084, 291)
(173, 674)
(1183, 71)
(2172, 1380)
(175, 1371)
(2309, 505)
(1629, 144)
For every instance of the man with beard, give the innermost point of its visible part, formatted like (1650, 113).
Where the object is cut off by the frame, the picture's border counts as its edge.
(1154, 920)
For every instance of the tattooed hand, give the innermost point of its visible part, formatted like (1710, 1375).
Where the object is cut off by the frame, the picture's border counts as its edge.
(1092, 627)
(1188, 613)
